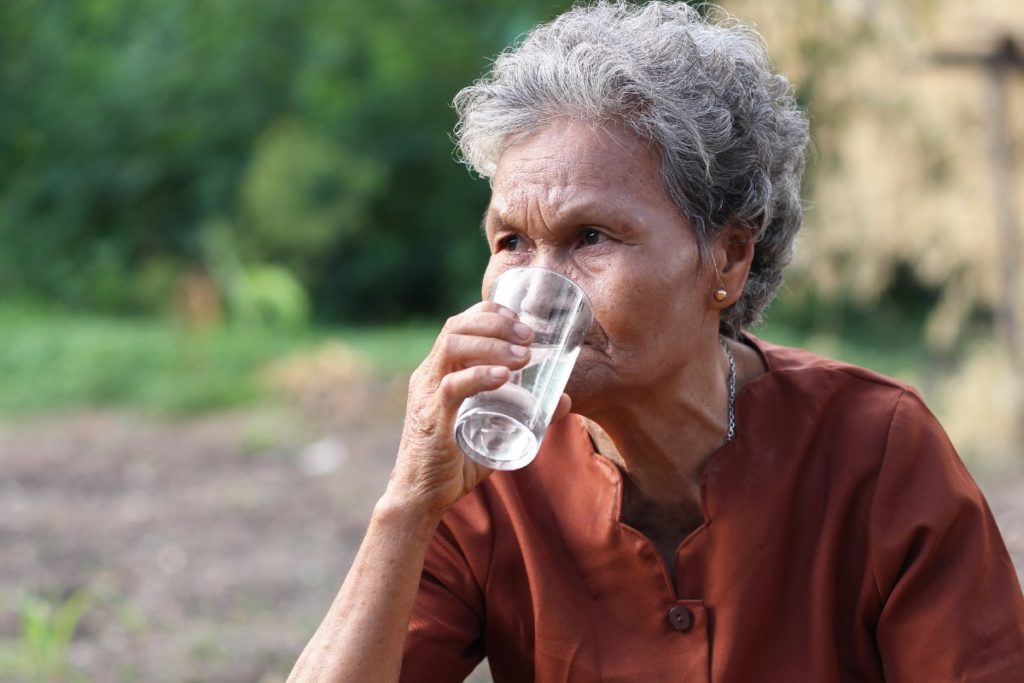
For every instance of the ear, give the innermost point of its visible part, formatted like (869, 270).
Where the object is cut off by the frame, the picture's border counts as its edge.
(732, 253)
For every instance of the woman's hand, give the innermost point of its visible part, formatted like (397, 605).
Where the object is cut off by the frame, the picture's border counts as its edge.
(362, 636)
(475, 351)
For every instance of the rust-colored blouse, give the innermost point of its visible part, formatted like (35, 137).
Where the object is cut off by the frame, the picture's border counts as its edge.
(843, 540)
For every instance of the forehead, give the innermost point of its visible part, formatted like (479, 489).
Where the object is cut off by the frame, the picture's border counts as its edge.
(570, 163)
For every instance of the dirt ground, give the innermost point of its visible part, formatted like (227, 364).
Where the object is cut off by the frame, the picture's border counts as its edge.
(211, 547)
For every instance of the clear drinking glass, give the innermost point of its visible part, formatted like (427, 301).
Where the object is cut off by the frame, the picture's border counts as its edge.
(503, 429)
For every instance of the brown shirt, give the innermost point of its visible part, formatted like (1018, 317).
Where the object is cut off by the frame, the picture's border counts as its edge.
(843, 540)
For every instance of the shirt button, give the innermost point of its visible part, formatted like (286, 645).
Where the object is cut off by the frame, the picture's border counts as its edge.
(681, 618)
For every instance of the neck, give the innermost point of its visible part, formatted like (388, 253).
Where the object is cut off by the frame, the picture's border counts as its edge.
(662, 436)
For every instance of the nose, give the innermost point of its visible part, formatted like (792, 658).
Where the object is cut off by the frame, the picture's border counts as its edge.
(556, 260)
(543, 303)
(550, 257)
(553, 308)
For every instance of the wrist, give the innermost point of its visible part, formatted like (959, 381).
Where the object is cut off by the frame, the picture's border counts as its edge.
(407, 514)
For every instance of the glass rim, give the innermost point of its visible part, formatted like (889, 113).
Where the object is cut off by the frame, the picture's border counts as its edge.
(548, 271)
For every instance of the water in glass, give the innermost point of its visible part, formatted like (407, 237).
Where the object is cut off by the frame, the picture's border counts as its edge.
(504, 427)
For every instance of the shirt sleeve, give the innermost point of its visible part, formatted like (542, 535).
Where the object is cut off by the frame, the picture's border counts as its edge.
(445, 638)
(952, 605)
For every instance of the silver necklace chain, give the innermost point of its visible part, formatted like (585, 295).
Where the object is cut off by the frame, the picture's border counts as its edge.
(731, 432)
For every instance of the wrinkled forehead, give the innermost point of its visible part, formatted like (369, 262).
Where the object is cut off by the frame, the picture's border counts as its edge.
(569, 163)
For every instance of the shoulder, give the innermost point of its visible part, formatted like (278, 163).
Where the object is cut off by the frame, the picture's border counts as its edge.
(812, 369)
(830, 396)
(854, 418)
(866, 407)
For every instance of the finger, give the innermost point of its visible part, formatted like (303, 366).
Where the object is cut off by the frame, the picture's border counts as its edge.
(494, 307)
(457, 386)
(482, 307)
(563, 408)
(490, 324)
(463, 351)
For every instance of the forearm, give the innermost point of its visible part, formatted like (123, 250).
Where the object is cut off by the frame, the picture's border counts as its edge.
(363, 635)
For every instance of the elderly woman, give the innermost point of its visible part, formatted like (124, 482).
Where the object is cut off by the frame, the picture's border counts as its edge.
(715, 507)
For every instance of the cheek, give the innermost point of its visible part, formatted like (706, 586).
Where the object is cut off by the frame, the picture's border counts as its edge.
(631, 310)
(493, 270)
(628, 287)
(620, 315)
(502, 261)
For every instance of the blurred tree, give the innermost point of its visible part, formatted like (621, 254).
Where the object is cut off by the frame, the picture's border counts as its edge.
(300, 194)
(319, 129)
(901, 182)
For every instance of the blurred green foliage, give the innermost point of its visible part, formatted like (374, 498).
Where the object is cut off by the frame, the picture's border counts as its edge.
(46, 629)
(314, 134)
(57, 361)
(52, 360)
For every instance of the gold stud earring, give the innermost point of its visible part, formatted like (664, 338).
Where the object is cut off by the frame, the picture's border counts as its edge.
(720, 294)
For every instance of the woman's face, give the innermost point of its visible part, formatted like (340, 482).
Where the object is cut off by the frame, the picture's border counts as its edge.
(588, 202)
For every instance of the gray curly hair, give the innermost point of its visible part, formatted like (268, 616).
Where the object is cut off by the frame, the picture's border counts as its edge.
(699, 88)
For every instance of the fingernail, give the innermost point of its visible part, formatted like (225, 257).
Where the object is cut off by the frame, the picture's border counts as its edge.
(517, 350)
(498, 372)
(521, 330)
(507, 312)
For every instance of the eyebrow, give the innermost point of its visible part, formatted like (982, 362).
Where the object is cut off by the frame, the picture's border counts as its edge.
(493, 216)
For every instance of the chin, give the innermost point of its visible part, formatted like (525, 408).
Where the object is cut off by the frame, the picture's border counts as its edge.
(592, 379)
(583, 391)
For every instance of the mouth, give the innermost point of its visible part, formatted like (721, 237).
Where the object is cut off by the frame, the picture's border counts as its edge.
(594, 338)
(593, 344)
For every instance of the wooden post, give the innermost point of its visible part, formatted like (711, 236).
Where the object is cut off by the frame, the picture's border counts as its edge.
(999, 66)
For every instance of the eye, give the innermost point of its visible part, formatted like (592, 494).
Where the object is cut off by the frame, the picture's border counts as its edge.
(592, 236)
(510, 243)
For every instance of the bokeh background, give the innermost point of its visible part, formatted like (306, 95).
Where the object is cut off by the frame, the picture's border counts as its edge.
(230, 228)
